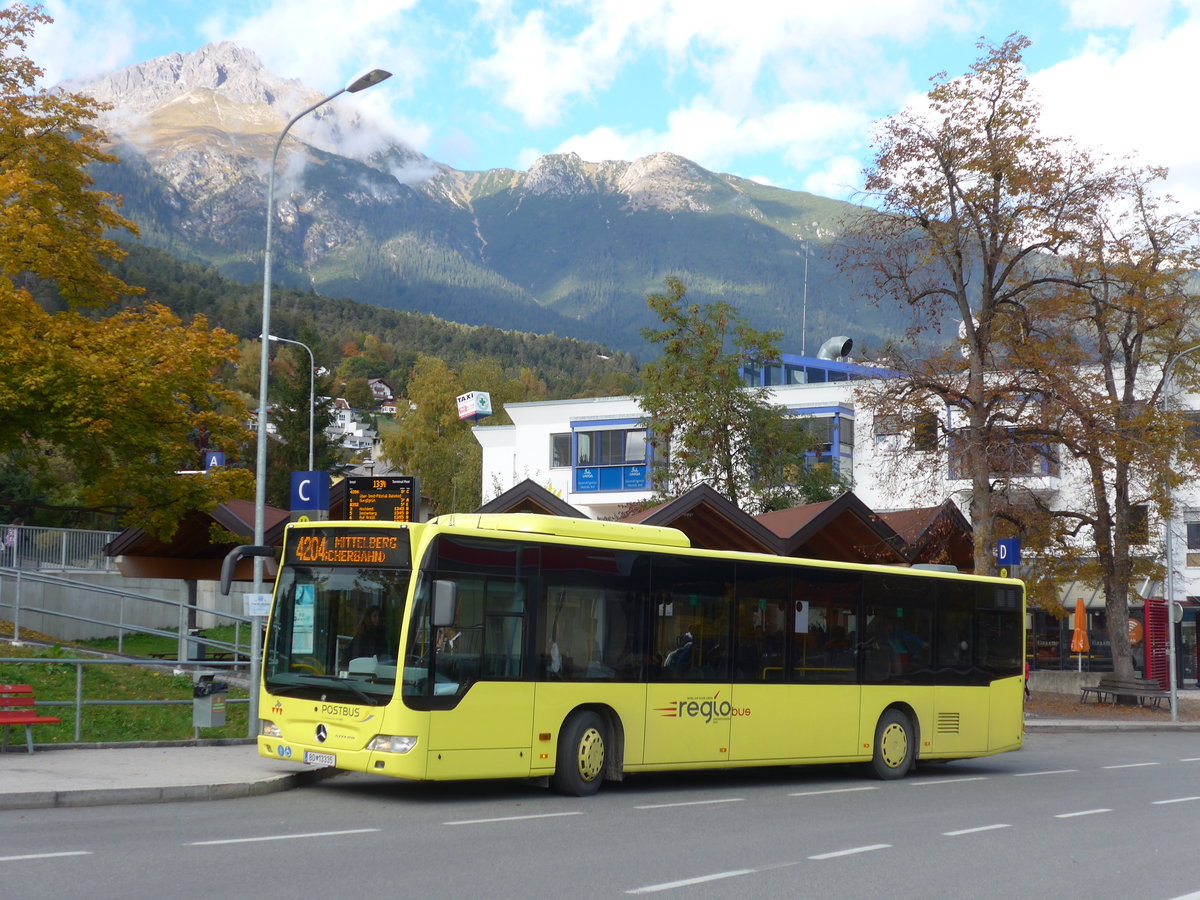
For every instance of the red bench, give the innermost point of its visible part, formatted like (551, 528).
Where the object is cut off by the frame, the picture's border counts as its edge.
(16, 708)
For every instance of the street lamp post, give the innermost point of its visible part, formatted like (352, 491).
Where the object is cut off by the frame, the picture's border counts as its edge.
(1168, 372)
(361, 83)
(312, 387)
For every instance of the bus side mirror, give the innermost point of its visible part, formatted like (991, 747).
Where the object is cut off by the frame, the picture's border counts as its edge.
(445, 604)
(233, 557)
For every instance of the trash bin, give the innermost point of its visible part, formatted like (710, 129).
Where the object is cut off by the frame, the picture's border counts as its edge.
(208, 702)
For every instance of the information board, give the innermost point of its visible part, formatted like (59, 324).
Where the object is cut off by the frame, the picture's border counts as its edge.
(385, 498)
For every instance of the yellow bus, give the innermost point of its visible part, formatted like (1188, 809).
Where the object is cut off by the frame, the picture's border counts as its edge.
(526, 646)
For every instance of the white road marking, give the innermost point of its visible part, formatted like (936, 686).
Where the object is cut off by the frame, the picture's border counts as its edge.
(851, 851)
(690, 803)
(279, 837)
(512, 818)
(1085, 812)
(1048, 772)
(688, 882)
(946, 781)
(833, 791)
(45, 855)
(974, 830)
(1131, 765)
(1174, 800)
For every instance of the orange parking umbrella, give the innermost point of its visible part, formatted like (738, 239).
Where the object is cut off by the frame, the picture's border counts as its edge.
(1079, 637)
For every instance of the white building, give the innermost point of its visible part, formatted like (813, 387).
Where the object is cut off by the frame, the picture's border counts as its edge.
(593, 454)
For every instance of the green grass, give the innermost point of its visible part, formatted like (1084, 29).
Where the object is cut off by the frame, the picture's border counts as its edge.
(56, 681)
(149, 644)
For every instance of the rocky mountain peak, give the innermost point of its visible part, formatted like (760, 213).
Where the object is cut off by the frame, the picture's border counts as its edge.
(237, 73)
(557, 175)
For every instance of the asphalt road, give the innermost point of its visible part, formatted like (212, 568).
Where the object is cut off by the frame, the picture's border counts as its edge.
(1095, 815)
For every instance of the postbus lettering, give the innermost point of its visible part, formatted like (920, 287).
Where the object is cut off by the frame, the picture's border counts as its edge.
(333, 709)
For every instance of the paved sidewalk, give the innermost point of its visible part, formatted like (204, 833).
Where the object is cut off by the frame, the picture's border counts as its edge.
(53, 777)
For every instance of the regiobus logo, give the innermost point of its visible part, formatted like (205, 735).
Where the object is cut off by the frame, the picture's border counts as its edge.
(710, 709)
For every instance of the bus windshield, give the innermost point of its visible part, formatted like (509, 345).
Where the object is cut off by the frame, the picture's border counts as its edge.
(335, 632)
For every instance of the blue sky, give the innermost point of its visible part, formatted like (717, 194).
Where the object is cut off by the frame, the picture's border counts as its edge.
(784, 92)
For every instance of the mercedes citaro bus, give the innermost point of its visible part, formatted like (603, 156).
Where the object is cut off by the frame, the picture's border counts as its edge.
(526, 646)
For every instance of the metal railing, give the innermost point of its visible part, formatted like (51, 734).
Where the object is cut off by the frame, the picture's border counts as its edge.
(79, 703)
(36, 548)
(191, 645)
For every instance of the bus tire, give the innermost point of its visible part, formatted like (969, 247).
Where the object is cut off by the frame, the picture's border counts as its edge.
(582, 750)
(895, 746)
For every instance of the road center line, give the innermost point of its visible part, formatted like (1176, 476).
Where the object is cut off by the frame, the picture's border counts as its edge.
(851, 851)
(833, 791)
(280, 837)
(690, 803)
(45, 855)
(947, 781)
(512, 818)
(1131, 765)
(1174, 800)
(974, 830)
(1085, 812)
(1048, 772)
(688, 882)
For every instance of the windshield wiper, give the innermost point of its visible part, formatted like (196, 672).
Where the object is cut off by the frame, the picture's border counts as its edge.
(333, 681)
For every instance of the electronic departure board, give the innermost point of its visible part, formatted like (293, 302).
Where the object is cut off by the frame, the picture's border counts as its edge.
(384, 498)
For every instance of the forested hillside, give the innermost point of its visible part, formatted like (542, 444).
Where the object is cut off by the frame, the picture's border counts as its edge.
(340, 328)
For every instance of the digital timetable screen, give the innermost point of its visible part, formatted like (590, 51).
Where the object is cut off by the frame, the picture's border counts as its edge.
(385, 498)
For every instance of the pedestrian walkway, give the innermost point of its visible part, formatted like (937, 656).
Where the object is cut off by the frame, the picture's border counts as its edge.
(53, 777)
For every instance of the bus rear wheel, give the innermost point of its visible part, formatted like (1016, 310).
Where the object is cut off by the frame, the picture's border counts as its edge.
(895, 746)
(579, 766)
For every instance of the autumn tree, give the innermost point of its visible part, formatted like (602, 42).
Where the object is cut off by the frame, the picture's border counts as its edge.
(1097, 355)
(704, 423)
(434, 444)
(974, 205)
(115, 405)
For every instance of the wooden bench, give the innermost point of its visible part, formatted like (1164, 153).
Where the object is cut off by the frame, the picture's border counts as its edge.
(16, 708)
(1142, 690)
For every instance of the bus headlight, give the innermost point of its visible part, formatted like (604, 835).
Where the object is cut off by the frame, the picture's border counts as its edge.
(267, 728)
(390, 743)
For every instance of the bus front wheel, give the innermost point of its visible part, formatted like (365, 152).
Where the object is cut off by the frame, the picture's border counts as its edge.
(895, 746)
(579, 766)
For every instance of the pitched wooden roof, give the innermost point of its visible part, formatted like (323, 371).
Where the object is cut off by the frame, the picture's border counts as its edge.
(843, 529)
(190, 552)
(531, 497)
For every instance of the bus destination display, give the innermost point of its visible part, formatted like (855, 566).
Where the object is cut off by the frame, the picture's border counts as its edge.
(389, 498)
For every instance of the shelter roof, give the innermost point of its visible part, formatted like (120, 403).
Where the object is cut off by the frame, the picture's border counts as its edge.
(531, 497)
(844, 529)
(190, 552)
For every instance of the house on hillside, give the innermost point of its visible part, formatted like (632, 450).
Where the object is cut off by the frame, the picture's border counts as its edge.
(380, 389)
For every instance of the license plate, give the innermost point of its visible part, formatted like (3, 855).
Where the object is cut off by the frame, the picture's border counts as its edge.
(319, 759)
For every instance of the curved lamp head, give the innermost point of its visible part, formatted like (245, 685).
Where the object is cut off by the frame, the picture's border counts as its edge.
(368, 79)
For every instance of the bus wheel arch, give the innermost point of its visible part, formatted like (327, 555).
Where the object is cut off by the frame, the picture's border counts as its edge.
(590, 750)
(897, 738)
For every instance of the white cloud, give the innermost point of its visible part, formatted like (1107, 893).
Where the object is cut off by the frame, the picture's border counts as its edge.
(74, 46)
(1146, 18)
(319, 42)
(839, 177)
(553, 57)
(1128, 102)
